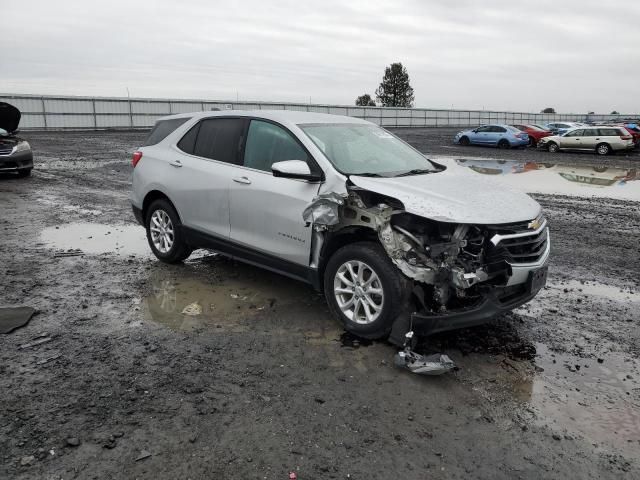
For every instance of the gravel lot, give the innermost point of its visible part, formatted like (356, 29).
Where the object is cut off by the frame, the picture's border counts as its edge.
(263, 382)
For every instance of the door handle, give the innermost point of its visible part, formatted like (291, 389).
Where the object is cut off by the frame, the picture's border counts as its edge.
(244, 180)
(175, 163)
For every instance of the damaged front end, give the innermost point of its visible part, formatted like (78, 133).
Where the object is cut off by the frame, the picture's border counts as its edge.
(460, 274)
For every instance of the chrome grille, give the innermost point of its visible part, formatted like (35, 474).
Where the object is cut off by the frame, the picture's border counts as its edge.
(519, 244)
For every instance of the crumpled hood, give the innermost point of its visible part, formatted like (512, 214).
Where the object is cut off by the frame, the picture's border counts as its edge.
(447, 197)
(9, 117)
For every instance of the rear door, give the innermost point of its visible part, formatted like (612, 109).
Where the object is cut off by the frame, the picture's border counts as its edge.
(266, 211)
(497, 133)
(590, 137)
(209, 154)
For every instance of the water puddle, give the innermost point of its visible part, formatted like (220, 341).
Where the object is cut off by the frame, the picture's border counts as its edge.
(596, 289)
(218, 293)
(596, 398)
(96, 239)
(584, 180)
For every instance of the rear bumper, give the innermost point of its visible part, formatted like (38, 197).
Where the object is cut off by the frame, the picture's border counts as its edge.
(137, 212)
(496, 302)
(17, 161)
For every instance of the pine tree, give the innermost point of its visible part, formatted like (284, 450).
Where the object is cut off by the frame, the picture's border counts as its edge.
(395, 90)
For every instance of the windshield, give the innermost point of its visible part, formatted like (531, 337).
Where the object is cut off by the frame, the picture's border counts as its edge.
(356, 149)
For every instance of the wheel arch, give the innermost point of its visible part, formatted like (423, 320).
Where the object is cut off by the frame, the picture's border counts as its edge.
(151, 197)
(338, 239)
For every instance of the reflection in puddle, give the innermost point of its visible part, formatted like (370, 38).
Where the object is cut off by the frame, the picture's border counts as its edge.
(532, 177)
(96, 238)
(598, 399)
(230, 302)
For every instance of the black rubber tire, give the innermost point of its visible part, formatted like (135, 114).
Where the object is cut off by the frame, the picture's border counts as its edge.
(395, 286)
(533, 143)
(504, 144)
(464, 141)
(180, 250)
(25, 172)
(607, 151)
(552, 145)
(600, 168)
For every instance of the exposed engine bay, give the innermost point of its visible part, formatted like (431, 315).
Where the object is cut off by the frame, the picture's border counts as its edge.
(448, 262)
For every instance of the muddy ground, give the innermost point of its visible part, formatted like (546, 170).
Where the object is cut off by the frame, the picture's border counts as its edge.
(254, 380)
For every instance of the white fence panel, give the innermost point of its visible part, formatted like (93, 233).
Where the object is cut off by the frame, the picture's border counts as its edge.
(87, 112)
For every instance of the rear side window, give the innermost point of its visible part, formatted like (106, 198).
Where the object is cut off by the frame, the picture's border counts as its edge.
(609, 132)
(217, 138)
(162, 129)
(497, 129)
(188, 143)
(268, 143)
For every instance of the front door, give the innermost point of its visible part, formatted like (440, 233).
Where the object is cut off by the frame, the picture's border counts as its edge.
(266, 211)
(572, 140)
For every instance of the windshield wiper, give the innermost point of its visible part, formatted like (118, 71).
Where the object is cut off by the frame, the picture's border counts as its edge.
(415, 171)
(368, 174)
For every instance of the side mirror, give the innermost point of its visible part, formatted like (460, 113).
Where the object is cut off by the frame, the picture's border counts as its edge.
(294, 169)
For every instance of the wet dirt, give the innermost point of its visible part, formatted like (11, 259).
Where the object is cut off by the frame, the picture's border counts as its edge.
(216, 369)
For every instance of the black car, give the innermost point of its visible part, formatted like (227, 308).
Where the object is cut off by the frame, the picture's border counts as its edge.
(15, 153)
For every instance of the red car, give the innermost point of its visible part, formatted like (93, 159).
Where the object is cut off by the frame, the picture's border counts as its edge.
(535, 133)
(634, 131)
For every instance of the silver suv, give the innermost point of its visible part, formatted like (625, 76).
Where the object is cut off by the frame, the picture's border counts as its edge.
(602, 140)
(395, 241)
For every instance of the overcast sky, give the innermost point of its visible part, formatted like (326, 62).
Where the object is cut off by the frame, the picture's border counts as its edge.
(574, 55)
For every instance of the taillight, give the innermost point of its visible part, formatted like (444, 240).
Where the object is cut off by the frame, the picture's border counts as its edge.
(137, 156)
(626, 137)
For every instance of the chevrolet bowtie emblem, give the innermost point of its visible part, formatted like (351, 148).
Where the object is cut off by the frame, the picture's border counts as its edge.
(534, 224)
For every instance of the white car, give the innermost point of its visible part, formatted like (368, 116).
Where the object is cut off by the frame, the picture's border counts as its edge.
(391, 238)
(602, 140)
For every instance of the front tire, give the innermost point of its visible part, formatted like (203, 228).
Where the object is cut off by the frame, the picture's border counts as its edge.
(164, 233)
(532, 142)
(365, 291)
(603, 149)
(464, 141)
(553, 147)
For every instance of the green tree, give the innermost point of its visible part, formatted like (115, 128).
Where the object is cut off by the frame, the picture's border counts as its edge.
(549, 110)
(395, 90)
(365, 101)
(615, 113)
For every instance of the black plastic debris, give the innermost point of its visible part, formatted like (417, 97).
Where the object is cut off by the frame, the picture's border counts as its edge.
(15, 317)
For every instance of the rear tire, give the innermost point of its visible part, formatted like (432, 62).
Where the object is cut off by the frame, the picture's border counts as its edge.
(553, 147)
(164, 233)
(464, 141)
(603, 149)
(25, 172)
(504, 144)
(385, 297)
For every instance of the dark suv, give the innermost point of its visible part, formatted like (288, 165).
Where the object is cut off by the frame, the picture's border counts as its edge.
(15, 153)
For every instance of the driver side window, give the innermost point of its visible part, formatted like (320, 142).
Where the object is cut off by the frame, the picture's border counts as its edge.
(268, 143)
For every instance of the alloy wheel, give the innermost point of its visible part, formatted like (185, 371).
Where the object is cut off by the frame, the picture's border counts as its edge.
(358, 292)
(162, 232)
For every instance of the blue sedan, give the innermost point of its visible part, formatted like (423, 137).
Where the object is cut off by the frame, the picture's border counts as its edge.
(501, 136)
